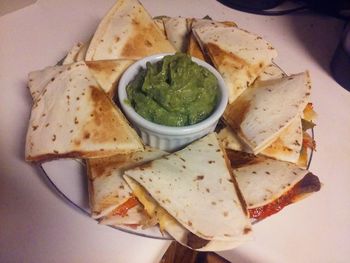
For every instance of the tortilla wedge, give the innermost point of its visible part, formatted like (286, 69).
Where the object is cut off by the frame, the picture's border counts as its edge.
(177, 31)
(268, 185)
(261, 113)
(108, 191)
(73, 117)
(238, 55)
(127, 32)
(187, 191)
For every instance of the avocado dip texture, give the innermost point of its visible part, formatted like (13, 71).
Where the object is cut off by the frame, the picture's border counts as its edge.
(174, 91)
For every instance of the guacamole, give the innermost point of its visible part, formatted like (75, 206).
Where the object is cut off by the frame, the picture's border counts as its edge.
(174, 91)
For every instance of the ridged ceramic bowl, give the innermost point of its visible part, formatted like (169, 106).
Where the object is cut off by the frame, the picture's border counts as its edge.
(169, 138)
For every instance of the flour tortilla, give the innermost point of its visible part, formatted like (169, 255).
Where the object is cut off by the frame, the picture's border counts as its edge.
(271, 72)
(82, 52)
(159, 22)
(108, 189)
(261, 113)
(127, 32)
(287, 147)
(108, 72)
(72, 54)
(177, 31)
(238, 55)
(192, 184)
(73, 117)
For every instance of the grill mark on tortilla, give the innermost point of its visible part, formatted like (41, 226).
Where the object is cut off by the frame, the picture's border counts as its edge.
(99, 166)
(247, 230)
(103, 113)
(199, 177)
(144, 166)
(101, 67)
(142, 42)
(222, 57)
(241, 159)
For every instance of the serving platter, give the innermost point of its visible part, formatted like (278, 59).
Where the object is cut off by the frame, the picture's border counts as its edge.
(68, 177)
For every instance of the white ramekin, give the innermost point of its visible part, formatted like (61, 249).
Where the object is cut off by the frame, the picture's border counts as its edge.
(169, 138)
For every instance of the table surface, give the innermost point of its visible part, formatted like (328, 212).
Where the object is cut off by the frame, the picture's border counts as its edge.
(37, 226)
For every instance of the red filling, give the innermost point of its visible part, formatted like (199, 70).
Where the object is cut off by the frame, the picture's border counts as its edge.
(123, 209)
(262, 212)
(310, 183)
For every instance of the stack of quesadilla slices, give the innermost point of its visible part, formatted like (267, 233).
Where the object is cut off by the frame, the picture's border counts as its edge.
(193, 196)
(267, 119)
(238, 55)
(111, 200)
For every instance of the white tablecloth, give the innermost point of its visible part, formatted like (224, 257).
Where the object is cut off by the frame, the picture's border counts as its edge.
(37, 226)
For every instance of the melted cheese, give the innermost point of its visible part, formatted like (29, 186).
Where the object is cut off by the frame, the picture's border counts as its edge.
(152, 208)
(309, 114)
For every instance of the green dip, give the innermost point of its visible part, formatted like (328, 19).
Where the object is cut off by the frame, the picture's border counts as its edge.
(174, 91)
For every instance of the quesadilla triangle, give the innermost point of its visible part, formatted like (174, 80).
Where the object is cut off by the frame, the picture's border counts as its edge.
(238, 55)
(177, 31)
(262, 112)
(287, 146)
(269, 185)
(127, 32)
(111, 200)
(73, 117)
(108, 72)
(193, 195)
